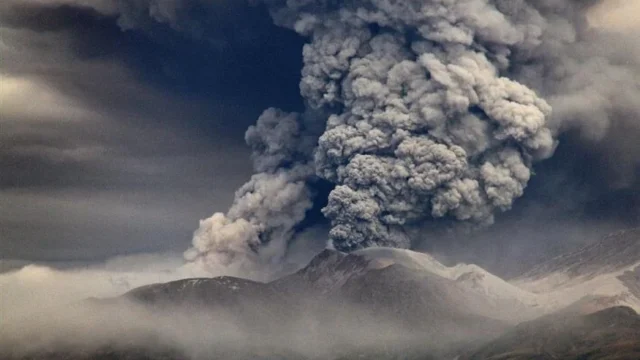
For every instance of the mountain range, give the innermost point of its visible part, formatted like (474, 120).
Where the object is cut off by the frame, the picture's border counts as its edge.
(383, 303)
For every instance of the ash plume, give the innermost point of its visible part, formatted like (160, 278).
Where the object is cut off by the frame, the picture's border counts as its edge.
(417, 111)
(434, 109)
(427, 126)
(266, 209)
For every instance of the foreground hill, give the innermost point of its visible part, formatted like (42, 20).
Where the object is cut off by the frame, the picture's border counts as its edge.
(611, 334)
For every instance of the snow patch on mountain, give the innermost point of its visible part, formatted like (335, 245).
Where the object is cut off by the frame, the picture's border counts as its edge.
(525, 298)
(605, 273)
(614, 252)
(517, 302)
(471, 275)
(562, 289)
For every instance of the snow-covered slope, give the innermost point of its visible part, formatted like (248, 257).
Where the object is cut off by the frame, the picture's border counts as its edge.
(615, 252)
(598, 276)
(472, 276)
(500, 299)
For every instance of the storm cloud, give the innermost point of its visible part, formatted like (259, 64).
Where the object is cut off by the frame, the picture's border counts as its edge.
(112, 137)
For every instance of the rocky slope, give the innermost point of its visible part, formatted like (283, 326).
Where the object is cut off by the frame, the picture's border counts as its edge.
(610, 334)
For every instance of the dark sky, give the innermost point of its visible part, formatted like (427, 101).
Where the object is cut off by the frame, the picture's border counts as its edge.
(119, 130)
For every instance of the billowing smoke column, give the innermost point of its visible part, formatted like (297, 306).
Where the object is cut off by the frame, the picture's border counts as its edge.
(425, 118)
(423, 126)
(429, 132)
(266, 209)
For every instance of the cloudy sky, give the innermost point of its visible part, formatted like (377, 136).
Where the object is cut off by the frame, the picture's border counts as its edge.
(122, 125)
(118, 134)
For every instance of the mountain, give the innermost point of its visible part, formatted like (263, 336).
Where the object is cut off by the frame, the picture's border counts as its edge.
(339, 306)
(488, 294)
(600, 275)
(617, 251)
(610, 334)
(592, 297)
(376, 291)
(377, 303)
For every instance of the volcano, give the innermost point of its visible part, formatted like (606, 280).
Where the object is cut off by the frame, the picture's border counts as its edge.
(386, 303)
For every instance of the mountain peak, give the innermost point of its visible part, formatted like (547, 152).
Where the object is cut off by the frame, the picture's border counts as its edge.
(327, 271)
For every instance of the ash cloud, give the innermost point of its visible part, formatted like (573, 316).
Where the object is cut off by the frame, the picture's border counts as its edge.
(439, 110)
(416, 113)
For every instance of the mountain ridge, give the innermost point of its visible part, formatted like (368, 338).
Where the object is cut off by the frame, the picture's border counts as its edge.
(615, 251)
(384, 303)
